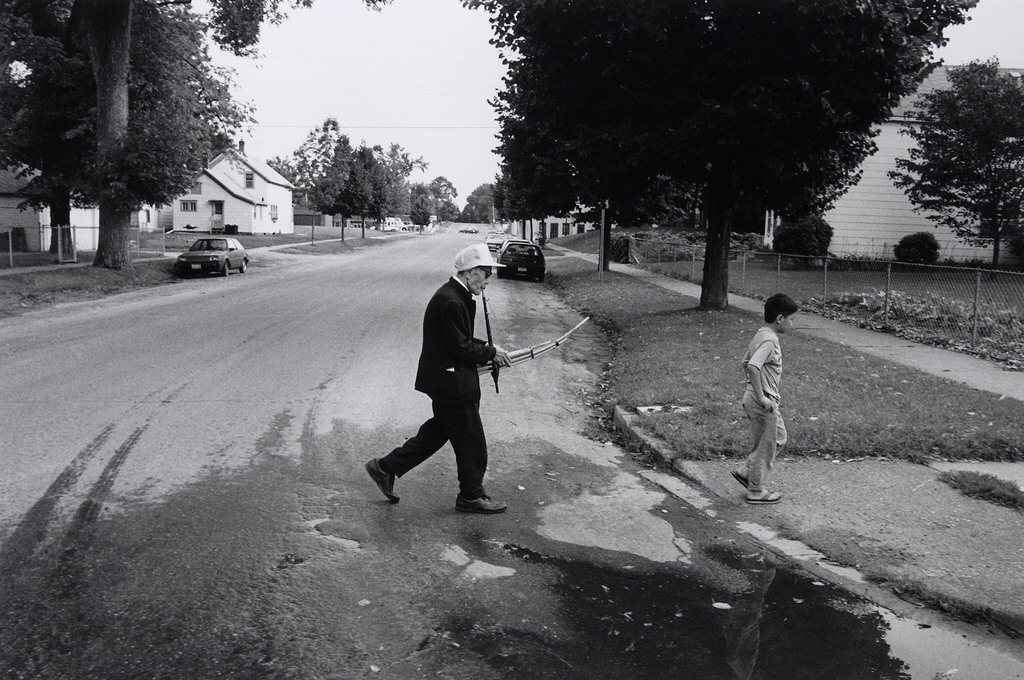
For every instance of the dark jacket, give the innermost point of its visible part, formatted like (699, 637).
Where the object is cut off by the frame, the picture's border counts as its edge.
(447, 370)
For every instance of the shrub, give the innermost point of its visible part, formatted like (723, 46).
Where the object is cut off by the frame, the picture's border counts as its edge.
(619, 248)
(1017, 244)
(919, 248)
(745, 241)
(806, 236)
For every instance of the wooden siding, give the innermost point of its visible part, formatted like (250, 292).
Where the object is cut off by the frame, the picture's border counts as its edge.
(871, 218)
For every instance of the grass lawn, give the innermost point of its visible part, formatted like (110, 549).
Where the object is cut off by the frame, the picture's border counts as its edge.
(931, 305)
(837, 403)
(24, 291)
(986, 487)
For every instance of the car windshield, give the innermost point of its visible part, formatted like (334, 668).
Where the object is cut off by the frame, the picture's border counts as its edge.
(210, 244)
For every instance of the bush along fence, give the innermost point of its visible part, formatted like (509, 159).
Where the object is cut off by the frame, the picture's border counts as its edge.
(978, 311)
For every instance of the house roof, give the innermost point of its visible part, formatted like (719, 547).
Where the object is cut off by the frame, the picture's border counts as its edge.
(11, 183)
(938, 79)
(256, 165)
(232, 187)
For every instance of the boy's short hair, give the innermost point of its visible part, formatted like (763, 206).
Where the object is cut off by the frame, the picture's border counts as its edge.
(780, 303)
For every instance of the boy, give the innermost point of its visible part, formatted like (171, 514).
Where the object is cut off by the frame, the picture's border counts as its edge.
(762, 365)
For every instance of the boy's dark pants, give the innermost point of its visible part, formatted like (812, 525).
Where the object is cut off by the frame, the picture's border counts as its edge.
(461, 425)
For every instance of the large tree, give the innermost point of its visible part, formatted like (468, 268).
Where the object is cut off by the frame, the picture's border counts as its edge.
(393, 191)
(359, 196)
(759, 102)
(105, 29)
(479, 205)
(444, 194)
(422, 204)
(322, 164)
(966, 171)
(47, 114)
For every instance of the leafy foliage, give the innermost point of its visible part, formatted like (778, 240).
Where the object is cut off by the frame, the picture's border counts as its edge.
(806, 236)
(422, 204)
(132, 114)
(444, 195)
(322, 165)
(967, 170)
(918, 248)
(478, 205)
(764, 102)
(998, 332)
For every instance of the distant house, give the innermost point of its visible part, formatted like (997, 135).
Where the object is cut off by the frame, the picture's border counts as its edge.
(871, 218)
(19, 228)
(234, 194)
(550, 228)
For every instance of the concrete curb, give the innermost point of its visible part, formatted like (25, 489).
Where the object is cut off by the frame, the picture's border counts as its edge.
(883, 595)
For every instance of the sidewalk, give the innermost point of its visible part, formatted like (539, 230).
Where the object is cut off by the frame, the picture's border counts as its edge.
(891, 522)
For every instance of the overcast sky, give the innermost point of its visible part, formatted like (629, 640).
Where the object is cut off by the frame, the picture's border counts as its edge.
(420, 73)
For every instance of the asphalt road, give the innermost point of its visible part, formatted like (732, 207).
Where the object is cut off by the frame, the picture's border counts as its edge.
(183, 497)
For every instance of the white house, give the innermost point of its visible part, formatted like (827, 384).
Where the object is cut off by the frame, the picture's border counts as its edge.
(12, 218)
(550, 227)
(872, 217)
(234, 194)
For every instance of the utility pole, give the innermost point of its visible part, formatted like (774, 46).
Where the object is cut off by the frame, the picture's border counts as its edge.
(602, 259)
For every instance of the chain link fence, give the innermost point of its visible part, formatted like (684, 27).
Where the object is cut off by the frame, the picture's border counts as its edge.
(73, 244)
(980, 311)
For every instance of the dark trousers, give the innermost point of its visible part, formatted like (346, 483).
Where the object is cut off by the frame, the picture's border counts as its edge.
(456, 423)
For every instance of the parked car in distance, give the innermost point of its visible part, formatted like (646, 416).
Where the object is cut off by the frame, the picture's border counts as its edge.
(216, 254)
(494, 240)
(521, 258)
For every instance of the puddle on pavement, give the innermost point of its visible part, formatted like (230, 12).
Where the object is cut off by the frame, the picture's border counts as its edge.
(759, 621)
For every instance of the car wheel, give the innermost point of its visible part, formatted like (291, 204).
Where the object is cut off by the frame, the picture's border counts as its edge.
(225, 268)
(241, 267)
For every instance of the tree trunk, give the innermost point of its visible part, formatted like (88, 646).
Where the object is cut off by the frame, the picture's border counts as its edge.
(714, 290)
(59, 202)
(108, 33)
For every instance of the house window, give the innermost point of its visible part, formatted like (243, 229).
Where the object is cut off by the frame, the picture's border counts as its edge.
(565, 228)
(250, 180)
(554, 230)
(273, 212)
(189, 206)
(197, 188)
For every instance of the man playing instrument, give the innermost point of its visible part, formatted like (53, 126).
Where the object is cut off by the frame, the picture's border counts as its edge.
(448, 374)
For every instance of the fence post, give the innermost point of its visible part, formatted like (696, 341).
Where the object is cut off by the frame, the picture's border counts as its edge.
(824, 285)
(888, 286)
(743, 275)
(974, 317)
(693, 265)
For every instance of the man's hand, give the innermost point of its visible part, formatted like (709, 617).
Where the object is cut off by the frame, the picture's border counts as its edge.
(501, 356)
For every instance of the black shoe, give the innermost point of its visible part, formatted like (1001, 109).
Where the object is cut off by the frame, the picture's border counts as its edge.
(483, 505)
(385, 481)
